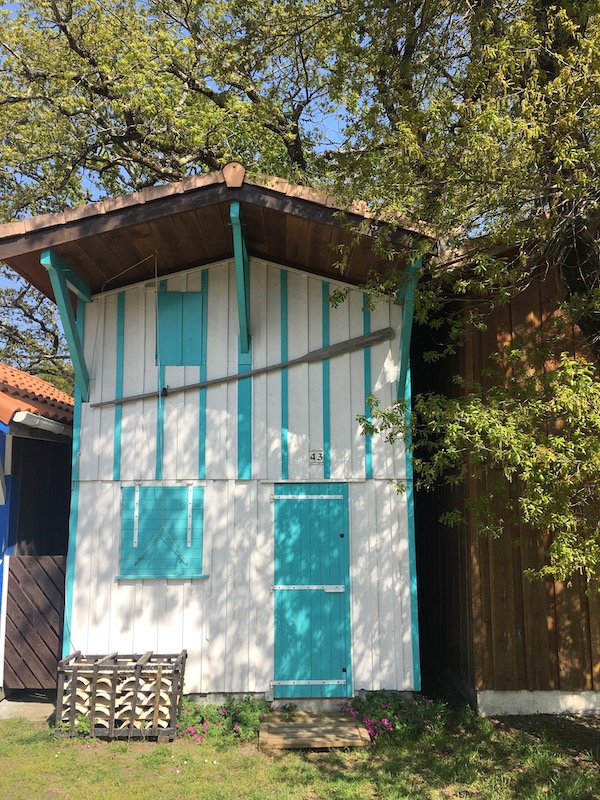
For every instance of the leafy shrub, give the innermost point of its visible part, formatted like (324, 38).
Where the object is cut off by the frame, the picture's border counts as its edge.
(384, 713)
(235, 719)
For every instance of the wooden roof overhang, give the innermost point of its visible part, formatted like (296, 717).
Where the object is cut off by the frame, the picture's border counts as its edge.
(172, 228)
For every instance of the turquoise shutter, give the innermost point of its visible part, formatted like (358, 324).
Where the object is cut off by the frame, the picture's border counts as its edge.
(161, 531)
(180, 329)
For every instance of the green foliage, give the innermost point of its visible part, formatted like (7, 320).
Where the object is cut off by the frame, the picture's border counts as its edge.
(235, 719)
(533, 443)
(384, 713)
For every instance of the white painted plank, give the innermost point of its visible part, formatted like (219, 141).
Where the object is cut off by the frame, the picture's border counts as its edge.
(388, 587)
(217, 432)
(273, 380)
(238, 621)
(341, 408)
(298, 378)
(261, 652)
(219, 516)
(261, 325)
(313, 393)
(191, 625)
(366, 639)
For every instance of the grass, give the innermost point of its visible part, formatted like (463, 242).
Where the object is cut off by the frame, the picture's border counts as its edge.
(462, 756)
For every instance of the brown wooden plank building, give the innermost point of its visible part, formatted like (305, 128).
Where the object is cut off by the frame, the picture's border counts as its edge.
(508, 643)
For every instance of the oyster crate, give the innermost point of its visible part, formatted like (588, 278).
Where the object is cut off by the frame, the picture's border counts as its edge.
(120, 696)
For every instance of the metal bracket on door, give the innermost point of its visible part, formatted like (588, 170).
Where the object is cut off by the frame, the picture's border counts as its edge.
(323, 587)
(308, 683)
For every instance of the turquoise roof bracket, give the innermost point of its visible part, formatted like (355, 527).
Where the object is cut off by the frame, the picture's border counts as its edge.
(242, 276)
(64, 279)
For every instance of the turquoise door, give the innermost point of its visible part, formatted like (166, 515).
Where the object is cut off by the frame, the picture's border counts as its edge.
(312, 600)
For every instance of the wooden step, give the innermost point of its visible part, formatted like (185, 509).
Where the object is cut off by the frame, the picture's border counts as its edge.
(304, 730)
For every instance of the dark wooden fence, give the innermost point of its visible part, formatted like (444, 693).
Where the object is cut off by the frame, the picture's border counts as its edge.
(34, 619)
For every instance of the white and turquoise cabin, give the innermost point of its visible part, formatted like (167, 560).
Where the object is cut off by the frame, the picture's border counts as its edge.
(234, 511)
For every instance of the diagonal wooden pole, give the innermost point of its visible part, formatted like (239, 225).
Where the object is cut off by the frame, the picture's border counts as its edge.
(333, 350)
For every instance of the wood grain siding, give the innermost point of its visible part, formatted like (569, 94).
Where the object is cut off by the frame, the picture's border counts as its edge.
(34, 617)
(490, 626)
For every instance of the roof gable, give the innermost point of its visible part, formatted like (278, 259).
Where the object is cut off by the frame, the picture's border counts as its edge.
(166, 229)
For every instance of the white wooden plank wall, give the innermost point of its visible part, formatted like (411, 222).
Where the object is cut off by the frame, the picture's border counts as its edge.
(226, 621)
(182, 411)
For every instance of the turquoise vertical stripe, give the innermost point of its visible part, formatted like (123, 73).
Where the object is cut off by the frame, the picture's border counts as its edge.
(160, 400)
(119, 386)
(367, 376)
(412, 558)
(404, 392)
(160, 424)
(284, 378)
(202, 420)
(326, 385)
(67, 645)
(244, 417)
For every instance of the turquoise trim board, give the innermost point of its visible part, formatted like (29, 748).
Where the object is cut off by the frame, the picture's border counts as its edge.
(368, 388)
(67, 646)
(160, 426)
(404, 393)
(244, 421)
(242, 282)
(284, 378)
(59, 273)
(242, 278)
(326, 383)
(119, 385)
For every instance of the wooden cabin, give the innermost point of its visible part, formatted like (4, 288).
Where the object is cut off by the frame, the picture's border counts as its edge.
(35, 470)
(510, 644)
(225, 500)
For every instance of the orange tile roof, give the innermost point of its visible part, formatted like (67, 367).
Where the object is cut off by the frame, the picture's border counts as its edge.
(22, 392)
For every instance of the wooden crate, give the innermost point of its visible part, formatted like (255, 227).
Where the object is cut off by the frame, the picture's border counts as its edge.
(120, 696)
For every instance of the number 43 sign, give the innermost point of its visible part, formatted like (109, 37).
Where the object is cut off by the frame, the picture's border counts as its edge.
(315, 456)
